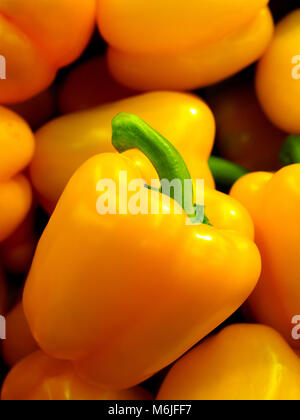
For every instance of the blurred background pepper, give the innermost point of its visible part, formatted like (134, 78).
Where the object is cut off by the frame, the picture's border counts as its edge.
(182, 46)
(278, 76)
(242, 362)
(273, 200)
(16, 150)
(39, 377)
(40, 37)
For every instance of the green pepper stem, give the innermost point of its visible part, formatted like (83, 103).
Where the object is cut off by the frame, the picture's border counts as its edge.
(225, 173)
(290, 151)
(131, 132)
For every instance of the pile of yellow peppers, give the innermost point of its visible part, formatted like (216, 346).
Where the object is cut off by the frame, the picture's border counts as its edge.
(197, 296)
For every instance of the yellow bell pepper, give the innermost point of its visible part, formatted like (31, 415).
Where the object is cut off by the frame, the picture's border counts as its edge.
(278, 75)
(16, 151)
(242, 362)
(40, 378)
(182, 45)
(127, 294)
(66, 143)
(273, 200)
(39, 37)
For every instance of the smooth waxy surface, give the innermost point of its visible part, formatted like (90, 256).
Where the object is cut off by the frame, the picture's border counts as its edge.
(196, 67)
(138, 301)
(242, 362)
(171, 25)
(278, 76)
(273, 202)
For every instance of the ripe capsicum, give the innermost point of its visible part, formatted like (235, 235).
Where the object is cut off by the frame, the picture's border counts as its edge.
(38, 38)
(40, 378)
(278, 75)
(127, 294)
(16, 151)
(242, 362)
(180, 45)
(273, 201)
(66, 143)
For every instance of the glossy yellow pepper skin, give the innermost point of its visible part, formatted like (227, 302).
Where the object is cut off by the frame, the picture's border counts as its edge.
(66, 143)
(40, 378)
(129, 305)
(179, 46)
(278, 75)
(273, 202)
(176, 27)
(16, 150)
(242, 362)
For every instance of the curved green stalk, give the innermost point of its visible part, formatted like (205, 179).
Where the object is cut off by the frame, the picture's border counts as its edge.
(131, 132)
